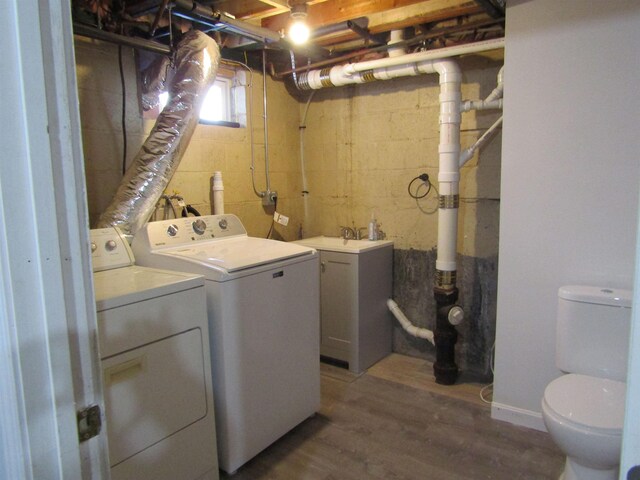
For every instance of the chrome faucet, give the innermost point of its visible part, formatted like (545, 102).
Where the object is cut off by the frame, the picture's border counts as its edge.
(347, 233)
(359, 232)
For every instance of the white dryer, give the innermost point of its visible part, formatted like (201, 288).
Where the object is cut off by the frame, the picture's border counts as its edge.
(154, 351)
(263, 306)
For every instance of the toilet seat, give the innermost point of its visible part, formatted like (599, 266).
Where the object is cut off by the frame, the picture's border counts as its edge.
(587, 403)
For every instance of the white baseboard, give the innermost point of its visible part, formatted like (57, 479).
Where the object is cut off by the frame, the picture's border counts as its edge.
(517, 416)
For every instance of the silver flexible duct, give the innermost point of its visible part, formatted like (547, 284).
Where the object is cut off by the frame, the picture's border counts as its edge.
(153, 78)
(197, 59)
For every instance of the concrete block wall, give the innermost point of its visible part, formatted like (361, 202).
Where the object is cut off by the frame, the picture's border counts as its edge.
(362, 147)
(212, 148)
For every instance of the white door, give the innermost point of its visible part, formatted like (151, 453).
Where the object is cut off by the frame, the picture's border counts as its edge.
(48, 352)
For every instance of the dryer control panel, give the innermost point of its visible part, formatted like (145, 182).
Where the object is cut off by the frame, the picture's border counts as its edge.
(189, 230)
(109, 249)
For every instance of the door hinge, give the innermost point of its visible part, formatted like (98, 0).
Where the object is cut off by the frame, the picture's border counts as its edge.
(89, 422)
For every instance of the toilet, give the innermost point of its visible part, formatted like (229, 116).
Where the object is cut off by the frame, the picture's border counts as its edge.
(583, 410)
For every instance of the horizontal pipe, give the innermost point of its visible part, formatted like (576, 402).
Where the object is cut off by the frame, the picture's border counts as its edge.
(426, 55)
(407, 325)
(334, 28)
(469, 105)
(202, 14)
(134, 42)
(405, 43)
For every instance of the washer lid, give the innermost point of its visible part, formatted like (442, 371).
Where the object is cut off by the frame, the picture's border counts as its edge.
(238, 253)
(587, 401)
(122, 286)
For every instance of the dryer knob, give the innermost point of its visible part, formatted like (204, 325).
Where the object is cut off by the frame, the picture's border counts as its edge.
(199, 226)
(110, 245)
(223, 224)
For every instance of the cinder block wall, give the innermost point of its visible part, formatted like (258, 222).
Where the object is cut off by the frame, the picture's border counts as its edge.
(363, 146)
(212, 148)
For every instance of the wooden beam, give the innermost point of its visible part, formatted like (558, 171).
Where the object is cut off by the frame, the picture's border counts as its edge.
(273, 7)
(277, 3)
(334, 11)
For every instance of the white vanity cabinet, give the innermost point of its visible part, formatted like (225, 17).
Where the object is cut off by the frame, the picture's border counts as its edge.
(355, 283)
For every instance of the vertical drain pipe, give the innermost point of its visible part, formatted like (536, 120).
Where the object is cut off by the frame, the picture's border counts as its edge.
(448, 314)
(445, 289)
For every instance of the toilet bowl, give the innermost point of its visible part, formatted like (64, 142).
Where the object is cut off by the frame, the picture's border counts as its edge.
(584, 416)
(584, 409)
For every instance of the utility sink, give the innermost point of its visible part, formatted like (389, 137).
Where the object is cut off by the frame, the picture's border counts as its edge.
(338, 244)
(356, 279)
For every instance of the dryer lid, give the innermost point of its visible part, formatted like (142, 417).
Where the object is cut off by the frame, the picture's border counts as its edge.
(238, 253)
(588, 401)
(126, 285)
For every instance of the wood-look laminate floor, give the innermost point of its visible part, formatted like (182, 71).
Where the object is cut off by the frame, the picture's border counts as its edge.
(395, 423)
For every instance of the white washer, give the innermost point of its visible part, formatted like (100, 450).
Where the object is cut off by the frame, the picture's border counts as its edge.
(263, 306)
(154, 351)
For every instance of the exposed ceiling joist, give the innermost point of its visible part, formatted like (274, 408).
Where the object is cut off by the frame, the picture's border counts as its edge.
(388, 11)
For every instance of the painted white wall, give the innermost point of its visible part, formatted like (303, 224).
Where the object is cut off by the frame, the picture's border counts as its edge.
(569, 183)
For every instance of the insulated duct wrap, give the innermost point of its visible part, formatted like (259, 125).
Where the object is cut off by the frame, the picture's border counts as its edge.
(153, 78)
(197, 59)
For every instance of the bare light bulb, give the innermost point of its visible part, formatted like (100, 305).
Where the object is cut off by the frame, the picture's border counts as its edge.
(299, 32)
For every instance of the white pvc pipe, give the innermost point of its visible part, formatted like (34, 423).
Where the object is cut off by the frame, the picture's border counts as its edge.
(469, 105)
(407, 325)
(426, 55)
(396, 36)
(448, 169)
(218, 194)
(466, 154)
(433, 61)
(498, 91)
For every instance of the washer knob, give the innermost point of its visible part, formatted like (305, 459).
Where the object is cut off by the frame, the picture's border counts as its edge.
(199, 226)
(94, 247)
(110, 245)
(223, 224)
(172, 230)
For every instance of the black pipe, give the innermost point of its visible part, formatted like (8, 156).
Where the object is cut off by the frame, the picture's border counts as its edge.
(134, 42)
(445, 337)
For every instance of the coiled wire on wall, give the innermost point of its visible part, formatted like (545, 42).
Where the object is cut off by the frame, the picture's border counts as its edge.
(414, 192)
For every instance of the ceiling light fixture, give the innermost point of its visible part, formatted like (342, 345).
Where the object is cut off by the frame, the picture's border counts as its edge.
(299, 31)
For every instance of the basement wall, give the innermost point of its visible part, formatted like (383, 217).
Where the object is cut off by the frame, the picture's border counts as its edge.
(363, 146)
(212, 148)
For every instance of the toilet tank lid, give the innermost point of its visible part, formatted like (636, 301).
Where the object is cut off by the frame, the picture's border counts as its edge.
(617, 297)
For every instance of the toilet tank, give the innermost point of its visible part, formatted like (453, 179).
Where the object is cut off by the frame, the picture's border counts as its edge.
(592, 336)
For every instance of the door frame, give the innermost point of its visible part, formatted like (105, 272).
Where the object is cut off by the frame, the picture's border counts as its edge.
(49, 364)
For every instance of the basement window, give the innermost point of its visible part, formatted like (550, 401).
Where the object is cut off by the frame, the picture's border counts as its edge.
(225, 102)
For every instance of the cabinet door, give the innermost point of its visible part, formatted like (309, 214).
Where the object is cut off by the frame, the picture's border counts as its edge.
(338, 286)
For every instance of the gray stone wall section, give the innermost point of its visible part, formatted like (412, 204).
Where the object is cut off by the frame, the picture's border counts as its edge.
(413, 278)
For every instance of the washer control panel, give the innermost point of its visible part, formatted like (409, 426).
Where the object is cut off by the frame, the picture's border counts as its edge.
(109, 249)
(189, 230)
